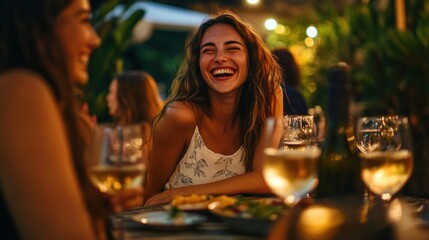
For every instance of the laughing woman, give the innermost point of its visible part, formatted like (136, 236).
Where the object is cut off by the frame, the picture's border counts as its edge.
(207, 137)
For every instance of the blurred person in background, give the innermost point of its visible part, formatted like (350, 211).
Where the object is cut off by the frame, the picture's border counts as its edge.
(45, 192)
(293, 101)
(207, 137)
(134, 99)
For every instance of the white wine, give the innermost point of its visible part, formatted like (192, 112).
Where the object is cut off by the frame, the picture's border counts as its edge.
(291, 174)
(295, 145)
(386, 172)
(111, 179)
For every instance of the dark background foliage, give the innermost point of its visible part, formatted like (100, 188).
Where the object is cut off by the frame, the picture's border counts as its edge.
(390, 68)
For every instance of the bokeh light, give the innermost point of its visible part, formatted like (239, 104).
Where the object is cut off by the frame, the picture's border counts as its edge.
(252, 2)
(309, 42)
(282, 29)
(311, 31)
(270, 24)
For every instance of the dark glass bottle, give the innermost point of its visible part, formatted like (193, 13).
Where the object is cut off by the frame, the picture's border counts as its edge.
(338, 166)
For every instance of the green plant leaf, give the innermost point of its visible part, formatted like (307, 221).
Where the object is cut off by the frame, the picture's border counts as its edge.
(115, 34)
(123, 31)
(103, 10)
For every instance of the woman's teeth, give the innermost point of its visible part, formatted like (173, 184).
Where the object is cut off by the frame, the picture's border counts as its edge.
(223, 71)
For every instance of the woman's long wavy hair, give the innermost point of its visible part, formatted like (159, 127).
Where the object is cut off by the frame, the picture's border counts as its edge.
(28, 40)
(138, 98)
(255, 103)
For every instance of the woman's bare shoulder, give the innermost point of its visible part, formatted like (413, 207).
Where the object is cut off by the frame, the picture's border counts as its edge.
(25, 97)
(180, 114)
(28, 108)
(20, 82)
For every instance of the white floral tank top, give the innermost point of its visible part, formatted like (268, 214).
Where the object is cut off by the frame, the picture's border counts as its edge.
(201, 165)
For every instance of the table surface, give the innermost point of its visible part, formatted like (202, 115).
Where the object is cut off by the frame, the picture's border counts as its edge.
(406, 225)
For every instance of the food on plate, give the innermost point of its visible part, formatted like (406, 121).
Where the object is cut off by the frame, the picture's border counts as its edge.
(269, 208)
(194, 201)
(224, 200)
(193, 198)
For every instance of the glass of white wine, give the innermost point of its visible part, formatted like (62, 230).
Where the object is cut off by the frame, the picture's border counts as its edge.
(386, 153)
(116, 163)
(299, 131)
(290, 157)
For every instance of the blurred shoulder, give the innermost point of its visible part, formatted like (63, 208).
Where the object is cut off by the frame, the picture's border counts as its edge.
(25, 94)
(21, 82)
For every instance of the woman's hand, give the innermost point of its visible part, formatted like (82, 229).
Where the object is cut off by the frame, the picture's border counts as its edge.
(125, 199)
(163, 197)
(88, 119)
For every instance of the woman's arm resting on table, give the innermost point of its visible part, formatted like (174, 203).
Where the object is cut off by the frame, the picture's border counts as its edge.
(36, 171)
(251, 182)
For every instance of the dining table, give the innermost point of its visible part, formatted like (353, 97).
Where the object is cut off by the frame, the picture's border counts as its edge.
(402, 218)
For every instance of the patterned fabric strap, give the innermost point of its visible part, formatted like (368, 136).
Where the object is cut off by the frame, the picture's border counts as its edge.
(201, 165)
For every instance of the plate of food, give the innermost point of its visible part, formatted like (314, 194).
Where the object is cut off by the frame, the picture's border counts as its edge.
(251, 216)
(195, 202)
(165, 220)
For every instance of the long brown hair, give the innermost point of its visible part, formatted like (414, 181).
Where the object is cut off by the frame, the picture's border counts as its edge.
(255, 104)
(138, 97)
(28, 40)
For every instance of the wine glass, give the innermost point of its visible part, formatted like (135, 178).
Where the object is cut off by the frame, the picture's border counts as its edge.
(319, 122)
(290, 157)
(386, 154)
(116, 163)
(299, 131)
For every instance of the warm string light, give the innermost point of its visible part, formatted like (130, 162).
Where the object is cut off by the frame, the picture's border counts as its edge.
(252, 2)
(311, 31)
(400, 15)
(270, 24)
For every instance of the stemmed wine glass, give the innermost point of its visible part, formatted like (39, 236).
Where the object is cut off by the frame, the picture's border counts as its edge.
(299, 131)
(116, 162)
(386, 153)
(290, 156)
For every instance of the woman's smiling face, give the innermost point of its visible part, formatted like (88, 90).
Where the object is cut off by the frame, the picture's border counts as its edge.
(223, 58)
(78, 38)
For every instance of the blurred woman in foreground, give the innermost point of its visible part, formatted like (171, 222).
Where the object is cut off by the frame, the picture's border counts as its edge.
(45, 47)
